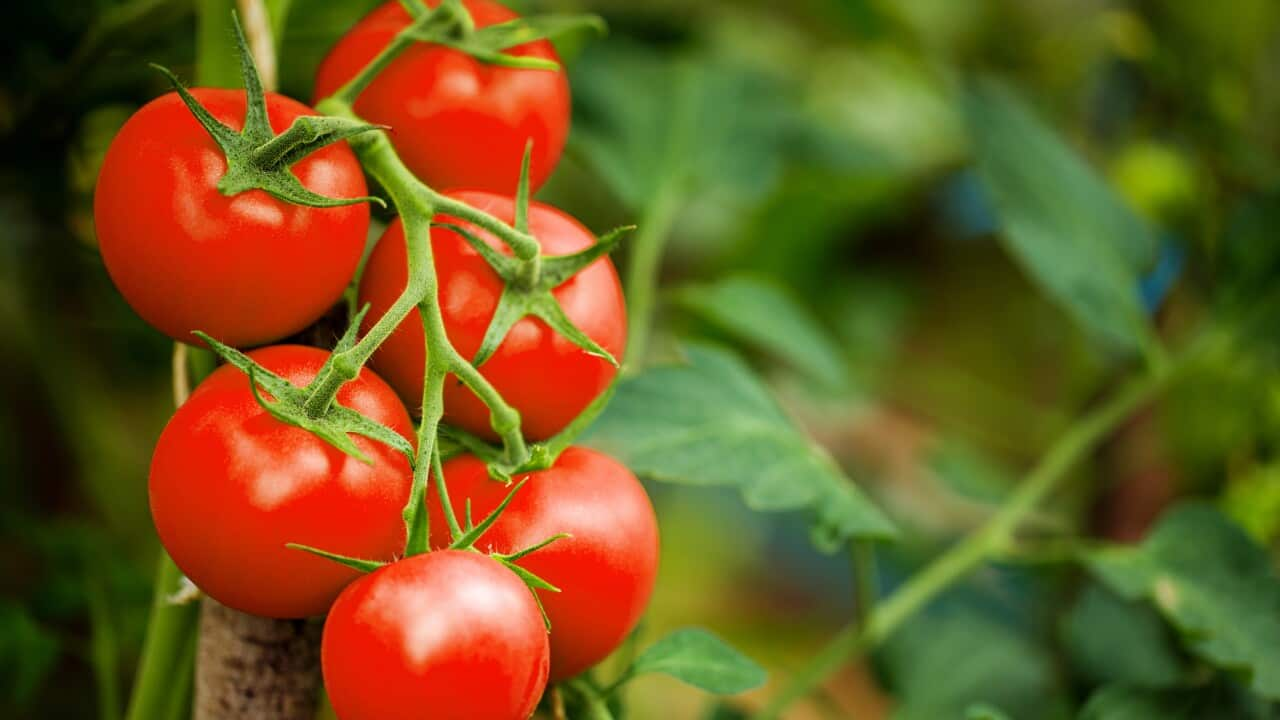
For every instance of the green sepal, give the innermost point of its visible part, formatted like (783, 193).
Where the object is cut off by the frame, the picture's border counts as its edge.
(534, 584)
(512, 557)
(335, 426)
(517, 302)
(522, 189)
(530, 28)
(258, 159)
(353, 563)
(557, 269)
(473, 533)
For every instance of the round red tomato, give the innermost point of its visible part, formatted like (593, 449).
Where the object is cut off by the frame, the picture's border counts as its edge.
(454, 120)
(231, 485)
(605, 570)
(540, 372)
(246, 269)
(449, 635)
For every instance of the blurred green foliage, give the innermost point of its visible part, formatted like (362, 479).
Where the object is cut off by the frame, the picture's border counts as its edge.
(833, 184)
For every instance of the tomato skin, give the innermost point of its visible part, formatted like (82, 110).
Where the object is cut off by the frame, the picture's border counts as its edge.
(246, 269)
(605, 570)
(230, 485)
(455, 121)
(449, 635)
(541, 373)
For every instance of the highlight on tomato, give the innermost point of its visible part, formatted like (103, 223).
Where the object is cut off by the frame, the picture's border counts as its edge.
(449, 635)
(231, 485)
(246, 268)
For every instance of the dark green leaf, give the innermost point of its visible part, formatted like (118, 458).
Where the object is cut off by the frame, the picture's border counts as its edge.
(764, 315)
(1213, 584)
(698, 658)
(1066, 227)
(711, 422)
(942, 665)
(1110, 639)
(1214, 702)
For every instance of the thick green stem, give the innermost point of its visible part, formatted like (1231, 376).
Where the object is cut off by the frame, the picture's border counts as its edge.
(523, 244)
(168, 646)
(866, 586)
(984, 543)
(643, 264)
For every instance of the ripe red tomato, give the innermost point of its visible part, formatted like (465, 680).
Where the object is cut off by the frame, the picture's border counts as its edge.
(605, 570)
(231, 485)
(456, 122)
(246, 269)
(449, 635)
(540, 372)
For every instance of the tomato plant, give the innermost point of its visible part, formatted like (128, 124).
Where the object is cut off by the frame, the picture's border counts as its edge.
(544, 375)
(231, 486)
(188, 257)
(458, 121)
(450, 635)
(606, 567)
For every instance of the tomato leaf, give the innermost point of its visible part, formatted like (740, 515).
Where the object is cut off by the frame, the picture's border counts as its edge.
(698, 658)
(1070, 232)
(711, 422)
(765, 315)
(1113, 640)
(943, 665)
(1216, 702)
(1212, 583)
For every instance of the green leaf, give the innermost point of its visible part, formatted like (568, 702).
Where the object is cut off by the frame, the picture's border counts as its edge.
(711, 422)
(1067, 228)
(763, 314)
(1113, 640)
(1214, 702)
(698, 658)
(942, 665)
(1213, 584)
(983, 711)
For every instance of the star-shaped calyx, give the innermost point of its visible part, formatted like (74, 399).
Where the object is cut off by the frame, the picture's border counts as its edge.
(288, 403)
(450, 24)
(259, 159)
(528, 283)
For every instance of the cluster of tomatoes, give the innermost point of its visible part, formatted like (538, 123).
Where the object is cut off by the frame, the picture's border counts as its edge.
(450, 633)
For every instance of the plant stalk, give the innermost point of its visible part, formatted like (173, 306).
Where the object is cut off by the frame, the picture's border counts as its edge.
(982, 544)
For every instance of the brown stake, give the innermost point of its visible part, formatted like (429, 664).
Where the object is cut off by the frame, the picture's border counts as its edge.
(255, 668)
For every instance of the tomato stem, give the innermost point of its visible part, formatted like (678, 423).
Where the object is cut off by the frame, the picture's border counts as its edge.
(980, 545)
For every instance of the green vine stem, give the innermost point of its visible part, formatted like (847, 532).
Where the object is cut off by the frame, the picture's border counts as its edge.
(416, 205)
(171, 627)
(984, 543)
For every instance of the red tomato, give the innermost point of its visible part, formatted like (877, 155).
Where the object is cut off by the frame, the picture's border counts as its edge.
(231, 485)
(540, 372)
(449, 635)
(454, 120)
(246, 269)
(605, 571)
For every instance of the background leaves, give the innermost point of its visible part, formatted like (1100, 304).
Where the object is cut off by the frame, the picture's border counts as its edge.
(711, 422)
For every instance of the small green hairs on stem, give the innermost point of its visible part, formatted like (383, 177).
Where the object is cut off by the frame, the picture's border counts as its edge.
(257, 158)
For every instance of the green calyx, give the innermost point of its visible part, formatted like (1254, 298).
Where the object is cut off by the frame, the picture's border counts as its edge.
(529, 282)
(257, 158)
(288, 403)
(450, 24)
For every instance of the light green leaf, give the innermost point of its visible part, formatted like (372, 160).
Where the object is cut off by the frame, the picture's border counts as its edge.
(1061, 221)
(1213, 584)
(711, 422)
(698, 658)
(766, 316)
